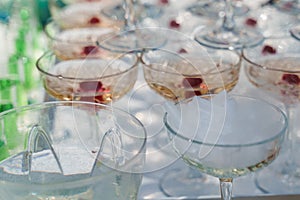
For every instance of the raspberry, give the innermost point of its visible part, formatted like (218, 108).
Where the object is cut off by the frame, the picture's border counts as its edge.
(291, 79)
(94, 20)
(174, 24)
(182, 51)
(191, 82)
(164, 1)
(90, 50)
(268, 50)
(90, 86)
(251, 22)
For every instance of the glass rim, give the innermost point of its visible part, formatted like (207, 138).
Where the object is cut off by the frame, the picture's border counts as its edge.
(234, 66)
(51, 22)
(120, 55)
(249, 60)
(85, 180)
(263, 141)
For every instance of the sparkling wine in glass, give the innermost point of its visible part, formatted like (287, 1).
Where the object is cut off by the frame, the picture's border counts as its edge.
(100, 80)
(274, 68)
(183, 73)
(250, 138)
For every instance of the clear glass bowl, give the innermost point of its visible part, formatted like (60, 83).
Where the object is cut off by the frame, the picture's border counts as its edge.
(70, 150)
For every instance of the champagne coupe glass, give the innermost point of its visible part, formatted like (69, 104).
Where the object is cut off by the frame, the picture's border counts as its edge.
(70, 150)
(247, 142)
(131, 37)
(274, 68)
(144, 10)
(181, 72)
(212, 8)
(295, 31)
(101, 80)
(229, 34)
(76, 43)
(81, 14)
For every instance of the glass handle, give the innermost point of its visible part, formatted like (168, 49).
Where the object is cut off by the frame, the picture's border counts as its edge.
(228, 23)
(112, 140)
(226, 188)
(37, 139)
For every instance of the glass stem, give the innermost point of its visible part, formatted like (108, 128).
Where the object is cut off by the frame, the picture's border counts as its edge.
(226, 188)
(130, 15)
(228, 22)
(292, 141)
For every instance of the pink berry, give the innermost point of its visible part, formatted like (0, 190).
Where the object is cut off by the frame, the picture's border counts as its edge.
(191, 82)
(90, 50)
(291, 79)
(251, 22)
(182, 51)
(268, 50)
(174, 24)
(94, 20)
(90, 86)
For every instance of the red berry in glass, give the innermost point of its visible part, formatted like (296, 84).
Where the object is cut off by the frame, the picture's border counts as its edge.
(291, 79)
(192, 82)
(182, 51)
(90, 50)
(94, 20)
(90, 86)
(251, 22)
(268, 50)
(174, 24)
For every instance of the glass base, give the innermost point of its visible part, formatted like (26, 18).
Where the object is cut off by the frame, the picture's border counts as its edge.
(295, 32)
(223, 39)
(213, 9)
(145, 11)
(273, 181)
(188, 183)
(138, 40)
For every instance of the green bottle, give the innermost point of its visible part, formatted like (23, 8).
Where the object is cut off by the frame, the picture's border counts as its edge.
(3, 151)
